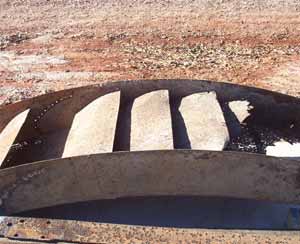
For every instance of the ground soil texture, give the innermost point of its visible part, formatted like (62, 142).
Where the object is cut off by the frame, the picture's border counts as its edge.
(49, 45)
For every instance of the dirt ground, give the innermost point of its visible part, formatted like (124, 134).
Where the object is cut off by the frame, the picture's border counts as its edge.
(49, 45)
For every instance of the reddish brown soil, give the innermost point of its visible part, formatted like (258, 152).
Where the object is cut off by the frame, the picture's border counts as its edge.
(232, 41)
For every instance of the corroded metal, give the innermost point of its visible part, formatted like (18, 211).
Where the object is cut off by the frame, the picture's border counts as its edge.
(44, 132)
(149, 173)
(51, 115)
(88, 232)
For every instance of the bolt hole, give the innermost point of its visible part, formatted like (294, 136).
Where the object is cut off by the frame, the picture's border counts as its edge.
(48, 222)
(22, 220)
(9, 224)
(43, 237)
(16, 235)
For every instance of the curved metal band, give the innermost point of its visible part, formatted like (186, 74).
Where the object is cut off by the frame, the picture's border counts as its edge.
(45, 231)
(149, 173)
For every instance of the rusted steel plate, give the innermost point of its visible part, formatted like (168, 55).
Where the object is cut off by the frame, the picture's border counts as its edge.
(149, 173)
(204, 121)
(151, 126)
(50, 119)
(88, 232)
(10, 132)
(11, 241)
(226, 92)
(93, 127)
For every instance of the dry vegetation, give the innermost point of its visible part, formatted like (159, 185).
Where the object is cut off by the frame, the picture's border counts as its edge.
(50, 45)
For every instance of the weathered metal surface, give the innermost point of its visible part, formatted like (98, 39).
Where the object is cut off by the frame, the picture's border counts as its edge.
(15, 241)
(226, 92)
(51, 115)
(152, 173)
(151, 126)
(88, 232)
(10, 132)
(149, 173)
(204, 122)
(93, 127)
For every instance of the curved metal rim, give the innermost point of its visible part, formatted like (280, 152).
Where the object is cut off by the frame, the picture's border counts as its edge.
(118, 82)
(149, 173)
(49, 230)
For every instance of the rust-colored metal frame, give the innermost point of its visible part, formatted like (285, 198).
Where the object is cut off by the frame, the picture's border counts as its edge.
(112, 175)
(51, 115)
(25, 230)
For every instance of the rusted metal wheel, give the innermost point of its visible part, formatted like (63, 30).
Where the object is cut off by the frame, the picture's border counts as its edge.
(146, 138)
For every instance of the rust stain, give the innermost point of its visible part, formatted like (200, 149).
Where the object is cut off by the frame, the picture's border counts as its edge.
(46, 230)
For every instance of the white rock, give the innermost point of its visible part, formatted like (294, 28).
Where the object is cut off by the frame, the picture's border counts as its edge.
(240, 109)
(284, 149)
(151, 126)
(204, 121)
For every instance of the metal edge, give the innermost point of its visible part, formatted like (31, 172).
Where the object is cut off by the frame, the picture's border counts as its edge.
(149, 173)
(15, 229)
